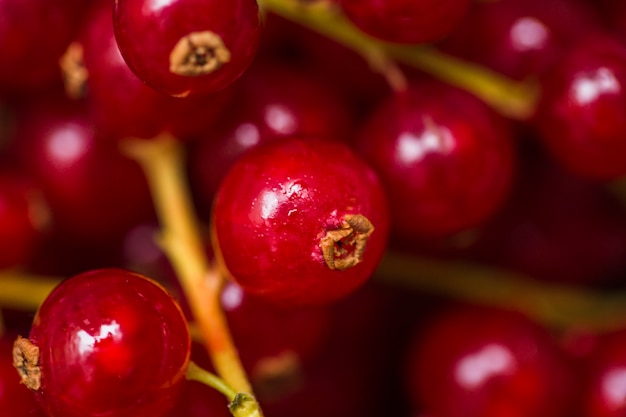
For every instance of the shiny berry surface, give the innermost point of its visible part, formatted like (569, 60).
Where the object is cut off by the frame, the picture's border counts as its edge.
(606, 376)
(273, 101)
(124, 106)
(111, 342)
(186, 47)
(405, 21)
(520, 38)
(443, 171)
(301, 221)
(486, 362)
(582, 114)
(83, 178)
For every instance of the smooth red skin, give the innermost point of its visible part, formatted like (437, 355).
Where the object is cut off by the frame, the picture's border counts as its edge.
(94, 192)
(274, 251)
(405, 21)
(274, 101)
(146, 35)
(489, 34)
(15, 399)
(33, 35)
(604, 377)
(139, 354)
(535, 379)
(452, 186)
(125, 106)
(19, 231)
(556, 227)
(263, 332)
(585, 130)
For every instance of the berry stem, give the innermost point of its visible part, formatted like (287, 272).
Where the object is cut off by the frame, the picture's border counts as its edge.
(509, 97)
(25, 291)
(560, 306)
(162, 162)
(196, 373)
(241, 404)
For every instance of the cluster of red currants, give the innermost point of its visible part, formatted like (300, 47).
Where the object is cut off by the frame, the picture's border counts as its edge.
(325, 142)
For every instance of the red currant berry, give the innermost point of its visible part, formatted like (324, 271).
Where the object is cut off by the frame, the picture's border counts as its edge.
(122, 105)
(106, 342)
(520, 38)
(301, 221)
(582, 113)
(405, 21)
(184, 47)
(605, 387)
(23, 218)
(272, 343)
(33, 36)
(84, 178)
(302, 106)
(444, 171)
(484, 362)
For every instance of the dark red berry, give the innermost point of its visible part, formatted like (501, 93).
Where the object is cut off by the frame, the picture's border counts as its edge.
(582, 114)
(274, 101)
(106, 342)
(605, 387)
(94, 192)
(485, 362)
(123, 105)
(520, 38)
(405, 21)
(443, 170)
(186, 47)
(33, 36)
(301, 221)
(274, 344)
(23, 218)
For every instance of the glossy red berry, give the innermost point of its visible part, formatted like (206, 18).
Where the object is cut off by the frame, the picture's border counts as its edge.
(84, 178)
(301, 221)
(405, 21)
(582, 113)
(106, 342)
(120, 103)
(485, 362)
(273, 101)
(443, 170)
(605, 378)
(185, 47)
(520, 38)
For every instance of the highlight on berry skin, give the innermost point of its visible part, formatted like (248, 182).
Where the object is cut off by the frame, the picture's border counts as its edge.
(301, 221)
(187, 47)
(107, 341)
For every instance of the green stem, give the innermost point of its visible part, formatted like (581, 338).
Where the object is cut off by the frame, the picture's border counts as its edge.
(162, 162)
(25, 291)
(555, 305)
(195, 373)
(241, 404)
(509, 97)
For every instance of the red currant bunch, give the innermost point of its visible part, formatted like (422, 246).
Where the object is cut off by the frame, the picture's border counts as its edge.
(312, 208)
